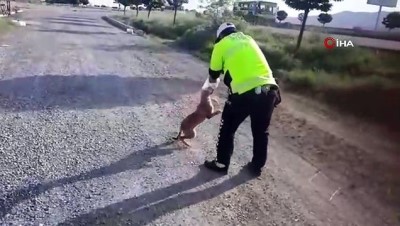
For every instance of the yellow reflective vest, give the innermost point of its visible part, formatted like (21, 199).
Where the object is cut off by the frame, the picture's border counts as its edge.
(242, 57)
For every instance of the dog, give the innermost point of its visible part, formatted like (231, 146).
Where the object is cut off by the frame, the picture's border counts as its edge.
(205, 110)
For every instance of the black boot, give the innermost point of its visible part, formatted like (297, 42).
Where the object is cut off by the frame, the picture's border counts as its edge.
(216, 166)
(255, 171)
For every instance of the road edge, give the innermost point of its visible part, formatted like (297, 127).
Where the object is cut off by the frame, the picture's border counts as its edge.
(12, 13)
(122, 26)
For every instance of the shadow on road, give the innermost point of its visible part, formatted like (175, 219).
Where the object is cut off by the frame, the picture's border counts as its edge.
(152, 205)
(134, 161)
(75, 32)
(90, 92)
(78, 24)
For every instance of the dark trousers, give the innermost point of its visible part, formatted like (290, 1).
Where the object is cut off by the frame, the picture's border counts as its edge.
(237, 108)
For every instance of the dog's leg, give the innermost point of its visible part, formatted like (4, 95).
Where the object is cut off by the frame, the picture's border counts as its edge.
(183, 141)
(215, 101)
(188, 135)
(214, 114)
(179, 135)
(182, 138)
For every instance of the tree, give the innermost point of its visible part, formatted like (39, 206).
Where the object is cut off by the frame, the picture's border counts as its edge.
(324, 18)
(281, 15)
(392, 20)
(217, 9)
(300, 17)
(125, 3)
(137, 3)
(307, 6)
(84, 2)
(8, 6)
(150, 4)
(176, 4)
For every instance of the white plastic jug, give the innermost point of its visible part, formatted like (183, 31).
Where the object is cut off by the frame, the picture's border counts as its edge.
(207, 84)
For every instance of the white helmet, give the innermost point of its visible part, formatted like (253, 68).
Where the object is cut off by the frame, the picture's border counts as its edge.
(224, 26)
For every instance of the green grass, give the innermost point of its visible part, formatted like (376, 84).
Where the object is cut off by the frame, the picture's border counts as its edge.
(313, 69)
(321, 80)
(5, 26)
(198, 33)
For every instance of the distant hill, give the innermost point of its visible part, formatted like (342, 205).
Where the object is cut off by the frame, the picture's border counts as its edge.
(347, 19)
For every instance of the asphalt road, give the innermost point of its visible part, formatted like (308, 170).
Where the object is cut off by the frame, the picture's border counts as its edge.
(86, 113)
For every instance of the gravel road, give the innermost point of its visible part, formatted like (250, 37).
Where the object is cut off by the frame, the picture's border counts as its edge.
(86, 115)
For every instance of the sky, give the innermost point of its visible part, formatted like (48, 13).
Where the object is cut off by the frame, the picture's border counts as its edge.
(346, 5)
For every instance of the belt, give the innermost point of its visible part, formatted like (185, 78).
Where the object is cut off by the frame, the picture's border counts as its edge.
(257, 90)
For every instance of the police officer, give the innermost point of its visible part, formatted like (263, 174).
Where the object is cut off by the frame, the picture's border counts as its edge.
(253, 92)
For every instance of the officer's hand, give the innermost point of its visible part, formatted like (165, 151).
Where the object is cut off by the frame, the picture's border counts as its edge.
(278, 98)
(211, 80)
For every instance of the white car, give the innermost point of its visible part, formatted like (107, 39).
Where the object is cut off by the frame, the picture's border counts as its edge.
(115, 6)
(141, 7)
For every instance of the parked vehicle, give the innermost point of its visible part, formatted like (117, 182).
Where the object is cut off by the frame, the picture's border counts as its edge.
(141, 7)
(257, 7)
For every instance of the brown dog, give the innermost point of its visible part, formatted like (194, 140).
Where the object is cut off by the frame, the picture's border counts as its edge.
(205, 110)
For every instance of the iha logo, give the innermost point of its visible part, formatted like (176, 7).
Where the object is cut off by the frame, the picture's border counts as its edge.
(331, 43)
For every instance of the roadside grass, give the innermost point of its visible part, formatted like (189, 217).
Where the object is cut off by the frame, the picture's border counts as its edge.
(5, 26)
(313, 69)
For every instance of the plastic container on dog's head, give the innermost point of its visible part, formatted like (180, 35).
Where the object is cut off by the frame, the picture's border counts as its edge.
(207, 84)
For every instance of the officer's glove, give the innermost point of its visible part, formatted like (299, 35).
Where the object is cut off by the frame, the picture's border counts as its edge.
(210, 83)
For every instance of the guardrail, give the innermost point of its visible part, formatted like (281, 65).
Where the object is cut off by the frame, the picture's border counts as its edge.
(121, 25)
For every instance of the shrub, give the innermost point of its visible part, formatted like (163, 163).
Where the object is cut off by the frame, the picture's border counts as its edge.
(198, 15)
(269, 38)
(278, 58)
(322, 81)
(5, 25)
(303, 79)
(197, 38)
(227, 13)
(239, 13)
(164, 29)
(311, 67)
(326, 74)
(240, 23)
(335, 60)
(375, 81)
(315, 38)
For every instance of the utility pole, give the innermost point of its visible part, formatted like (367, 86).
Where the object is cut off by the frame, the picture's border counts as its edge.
(8, 3)
(379, 16)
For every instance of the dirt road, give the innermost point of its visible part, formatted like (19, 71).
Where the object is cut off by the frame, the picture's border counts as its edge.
(85, 115)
